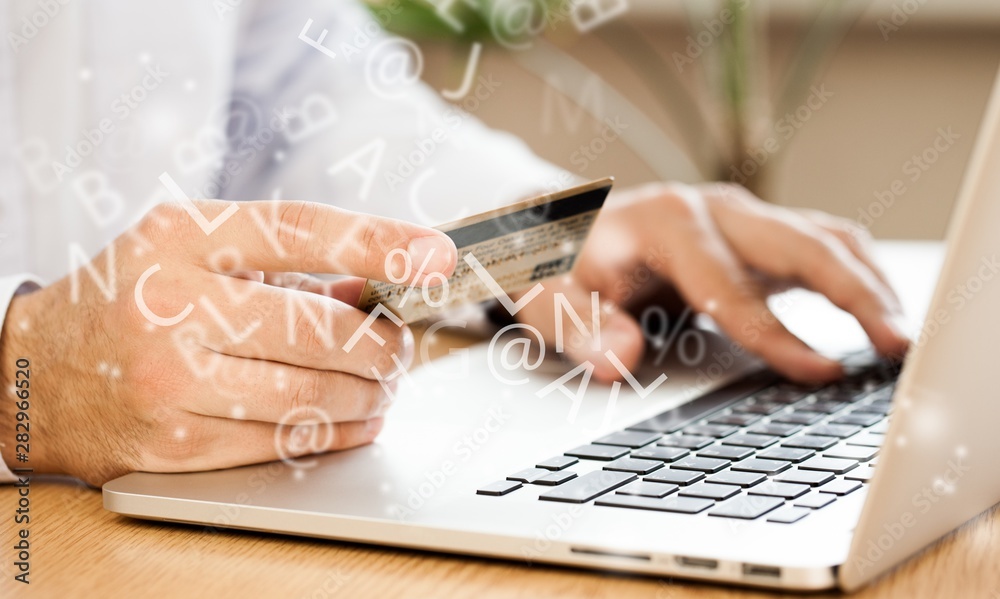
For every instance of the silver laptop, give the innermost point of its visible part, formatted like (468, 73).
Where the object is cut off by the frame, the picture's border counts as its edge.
(758, 481)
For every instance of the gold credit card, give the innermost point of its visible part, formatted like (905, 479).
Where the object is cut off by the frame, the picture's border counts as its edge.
(509, 249)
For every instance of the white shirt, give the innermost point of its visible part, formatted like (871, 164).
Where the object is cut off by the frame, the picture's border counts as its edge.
(232, 99)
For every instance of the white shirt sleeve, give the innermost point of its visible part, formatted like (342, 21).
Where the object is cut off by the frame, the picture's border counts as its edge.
(355, 139)
(9, 287)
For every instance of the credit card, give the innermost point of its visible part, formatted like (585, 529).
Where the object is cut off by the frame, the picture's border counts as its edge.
(516, 246)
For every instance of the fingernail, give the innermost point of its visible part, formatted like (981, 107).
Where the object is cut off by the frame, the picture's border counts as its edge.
(409, 347)
(431, 254)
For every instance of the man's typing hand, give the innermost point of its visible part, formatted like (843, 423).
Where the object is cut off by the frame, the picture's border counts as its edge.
(724, 251)
(183, 344)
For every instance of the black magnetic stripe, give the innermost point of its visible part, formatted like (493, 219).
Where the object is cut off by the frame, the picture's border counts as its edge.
(529, 217)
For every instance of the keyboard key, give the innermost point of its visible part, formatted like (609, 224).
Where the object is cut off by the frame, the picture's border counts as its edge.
(840, 487)
(555, 478)
(815, 500)
(710, 430)
(501, 487)
(824, 407)
(858, 418)
(735, 419)
(811, 442)
(726, 452)
(787, 454)
(749, 440)
(867, 439)
(844, 395)
(598, 452)
(784, 490)
(852, 452)
(740, 479)
(701, 464)
(841, 431)
(634, 465)
(765, 408)
(799, 417)
(632, 439)
(557, 462)
(686, 441)
(588, 486)
(664, 454)
(880, 408)
(675, 477)
(881, 427)
(647, 489)
(528, 475)
(709, 491)
(805, 477)
(786, 396)
(747, 508)
(834, 465)
(681, 505)
(861, 474)
(776, 429)
(789, 515)
(762, 466)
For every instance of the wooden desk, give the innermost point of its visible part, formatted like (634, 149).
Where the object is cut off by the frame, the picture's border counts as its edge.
(80, 550)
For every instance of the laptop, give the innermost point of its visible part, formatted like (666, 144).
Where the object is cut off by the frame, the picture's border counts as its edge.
(727, 474)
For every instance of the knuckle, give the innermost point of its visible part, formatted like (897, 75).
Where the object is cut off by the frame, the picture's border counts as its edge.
(682, 203)
(371, 398)
(163, 222)
(312, 321)
(383, 359)
(304, 390)
(295, 218)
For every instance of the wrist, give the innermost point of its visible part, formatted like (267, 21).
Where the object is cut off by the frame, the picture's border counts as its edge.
(19, 400)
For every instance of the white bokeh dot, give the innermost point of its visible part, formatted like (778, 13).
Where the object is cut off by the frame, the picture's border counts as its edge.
(238, 412)
(85, 74)
(144, 58)
(180, 432)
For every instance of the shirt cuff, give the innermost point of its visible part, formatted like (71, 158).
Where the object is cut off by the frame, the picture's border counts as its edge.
(11, 286)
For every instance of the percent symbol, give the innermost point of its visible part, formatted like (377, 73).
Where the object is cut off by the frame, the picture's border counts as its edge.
(690, 343)
(421, 271)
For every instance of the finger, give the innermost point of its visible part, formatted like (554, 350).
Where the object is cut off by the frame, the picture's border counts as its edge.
(712, 280)
(215, 443)
(300, 329)
(274, 392)
(346, 289)
(854, 236)
(287, 236)
(795, 248)
(616, 330)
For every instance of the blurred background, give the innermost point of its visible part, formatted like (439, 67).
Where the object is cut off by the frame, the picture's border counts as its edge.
(865, 109)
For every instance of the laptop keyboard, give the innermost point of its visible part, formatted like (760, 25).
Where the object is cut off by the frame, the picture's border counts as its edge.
(758, 448)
